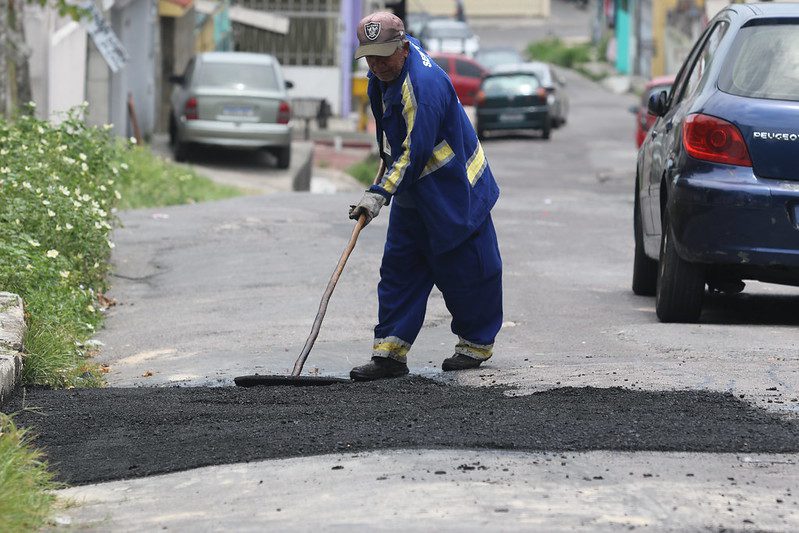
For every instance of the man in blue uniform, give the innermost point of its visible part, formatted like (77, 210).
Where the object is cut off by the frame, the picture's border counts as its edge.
(440, 230)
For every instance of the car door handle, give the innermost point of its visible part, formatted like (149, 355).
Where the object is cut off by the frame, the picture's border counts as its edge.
(653, 134)
(669, 125)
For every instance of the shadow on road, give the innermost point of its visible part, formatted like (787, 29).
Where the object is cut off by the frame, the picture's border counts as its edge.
(757, 309)
(232, 159)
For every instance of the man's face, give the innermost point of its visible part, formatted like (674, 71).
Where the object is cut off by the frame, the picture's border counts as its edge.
(387, 69)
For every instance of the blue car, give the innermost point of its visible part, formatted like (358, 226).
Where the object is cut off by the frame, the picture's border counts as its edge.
(717, 185)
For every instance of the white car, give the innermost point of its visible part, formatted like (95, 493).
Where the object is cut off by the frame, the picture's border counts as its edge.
(452, 36)
(231, 99)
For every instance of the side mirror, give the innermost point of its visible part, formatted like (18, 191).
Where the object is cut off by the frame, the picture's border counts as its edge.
(657, 104)
(289, 84)
(177, 78)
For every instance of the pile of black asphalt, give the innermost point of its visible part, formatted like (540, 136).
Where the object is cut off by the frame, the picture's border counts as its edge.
(92, 435)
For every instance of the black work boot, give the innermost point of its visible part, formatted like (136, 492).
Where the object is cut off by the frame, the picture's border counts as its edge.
(379, 368)
(460, 362)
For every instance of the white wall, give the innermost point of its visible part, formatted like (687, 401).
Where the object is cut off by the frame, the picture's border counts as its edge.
(316, 82)
(66, 87)
(57, 62)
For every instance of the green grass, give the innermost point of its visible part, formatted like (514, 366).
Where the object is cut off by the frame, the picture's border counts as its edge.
(366, 170)
(557, 52)
(153, 182)
(25, 481)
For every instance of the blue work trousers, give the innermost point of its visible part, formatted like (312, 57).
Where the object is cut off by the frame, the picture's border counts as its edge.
(469, 276)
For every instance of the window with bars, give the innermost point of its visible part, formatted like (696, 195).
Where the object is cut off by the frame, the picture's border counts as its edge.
(313, 37)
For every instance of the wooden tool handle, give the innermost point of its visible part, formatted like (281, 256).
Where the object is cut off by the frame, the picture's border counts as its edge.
(320, 314)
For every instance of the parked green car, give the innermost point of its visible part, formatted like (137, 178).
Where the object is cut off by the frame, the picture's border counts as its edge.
(512, 97)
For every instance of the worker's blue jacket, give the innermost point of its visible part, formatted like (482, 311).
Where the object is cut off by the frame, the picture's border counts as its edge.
(437, 164)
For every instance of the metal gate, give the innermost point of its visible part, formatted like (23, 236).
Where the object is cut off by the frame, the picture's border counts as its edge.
(313, 37)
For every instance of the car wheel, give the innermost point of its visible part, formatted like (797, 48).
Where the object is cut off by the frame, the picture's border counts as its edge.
(546, 131)
(680, 284)
(481, 133)
(645, 270)
(283, 157)
(180, 150)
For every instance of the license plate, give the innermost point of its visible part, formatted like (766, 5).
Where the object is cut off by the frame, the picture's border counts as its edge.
(511, 117)
(238, 111)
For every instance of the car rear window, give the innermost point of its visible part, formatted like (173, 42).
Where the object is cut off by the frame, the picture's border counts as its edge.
(240, 76)
(763, 63)
(510, 84)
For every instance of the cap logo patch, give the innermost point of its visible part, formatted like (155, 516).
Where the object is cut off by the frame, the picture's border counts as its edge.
(372, 30)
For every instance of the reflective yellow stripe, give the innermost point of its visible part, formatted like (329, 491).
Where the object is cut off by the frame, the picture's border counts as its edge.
(392, 180)
(476, 164)
(391, 347)
(442, 154)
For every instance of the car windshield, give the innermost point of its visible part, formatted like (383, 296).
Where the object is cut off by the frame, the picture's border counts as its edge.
(241, 76)
(764, 63)
(447, 30)
(510, 84)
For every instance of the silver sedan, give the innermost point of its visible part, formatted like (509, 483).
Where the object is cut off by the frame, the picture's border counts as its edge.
(231, 99)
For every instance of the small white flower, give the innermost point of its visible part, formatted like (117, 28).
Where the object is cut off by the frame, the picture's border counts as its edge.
(64, 190)
(29, 267)
(58, 227)
(68, 225)
(111, 245)
(64, 273)
(27, 185)
(82, 156)
(103, 188)
(97, 225)
(119, 196)
(3, 151)
(40, 130)
(45, 202)
(34, 243)
(133, 140)
(52, 254)
(90, 308)
(124, 166)
(50, 213)
(84, 167)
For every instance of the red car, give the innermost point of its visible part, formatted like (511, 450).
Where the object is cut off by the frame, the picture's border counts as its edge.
(465, 74)
(644, 119)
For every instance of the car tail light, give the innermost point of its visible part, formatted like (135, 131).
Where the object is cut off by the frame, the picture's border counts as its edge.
(480, 98)
(283, 113)
(190, 110)
(713, 139)
(542, 92)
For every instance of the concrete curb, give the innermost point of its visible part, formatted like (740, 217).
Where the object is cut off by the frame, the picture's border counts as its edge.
(12, 332)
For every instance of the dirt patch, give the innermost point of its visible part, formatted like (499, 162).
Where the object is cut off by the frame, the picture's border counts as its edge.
(102, 434)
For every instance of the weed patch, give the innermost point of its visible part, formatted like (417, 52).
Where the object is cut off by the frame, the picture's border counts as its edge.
(25, 480)
(364, 171)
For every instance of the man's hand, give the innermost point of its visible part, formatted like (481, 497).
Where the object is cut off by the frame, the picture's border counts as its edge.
(370, 205)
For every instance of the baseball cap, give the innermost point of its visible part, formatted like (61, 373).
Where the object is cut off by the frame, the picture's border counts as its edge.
(379, 34)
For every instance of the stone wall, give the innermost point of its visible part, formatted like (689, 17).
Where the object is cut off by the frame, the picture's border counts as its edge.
(12, 332)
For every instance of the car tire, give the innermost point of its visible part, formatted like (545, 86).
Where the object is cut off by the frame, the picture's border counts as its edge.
(481, 133)
(680, 284)
(546, 131)
(645, 270)
(180, 150)
(283, 157)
